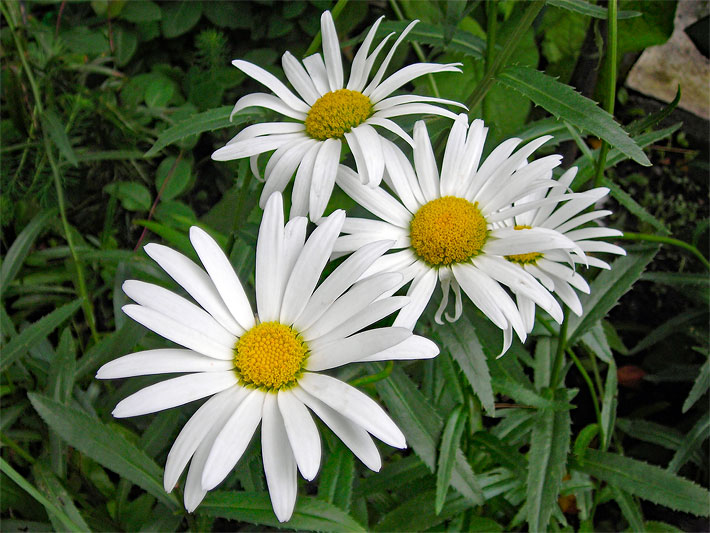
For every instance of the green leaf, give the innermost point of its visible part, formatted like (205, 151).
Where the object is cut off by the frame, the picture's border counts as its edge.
(609, 401)
(700, 386)
(172, 177)
(692, 442)
(174, 237)
(634, 207)
(117, 343)
(104, 445)
(606, 290)
(646, 481)
(52, 125)
(393, 475)
(310, 514)
(461, 341)
(211, 120)
(654, 526)
(676, 324)
(461, 41)
(564, 102)
(595, 340)
(49, 485)
(549, 444)
(447, 454)
(418, 513)
(629, 508)
(585, 8)
(422, 426)
(17, 346)
(180, 17)
(21, 246)
(335, 485)
(134, 196)
(501, 452)
(543, 362)
(652, 432)
(140, 11)
(159, 91)
(126, 43)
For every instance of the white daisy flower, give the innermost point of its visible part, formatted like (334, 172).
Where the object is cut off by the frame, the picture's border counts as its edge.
(266, 368)
(555, 268)
(448, 228)
(326, 113)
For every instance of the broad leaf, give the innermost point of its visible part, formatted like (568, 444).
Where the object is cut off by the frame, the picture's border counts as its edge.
(179, 17)
(646, 481)
(564, 102)
(104, 445)
(311, 514)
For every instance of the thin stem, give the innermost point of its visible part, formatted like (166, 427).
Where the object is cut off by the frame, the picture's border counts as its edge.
(374, 378)
(630, 236)
(560, 354)
(417, 50)
(590, 384)
(486, 82)
(611, 63)
(315, 44)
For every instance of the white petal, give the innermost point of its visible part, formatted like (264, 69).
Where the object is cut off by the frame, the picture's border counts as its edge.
(339, 352)
(508, 241)
(404, 180)
(302, 183)
(178, 333)
(258, 145)
(569, 209)
(405, 75)
(479, 288)
(425, 163)
(233, 439)
(358, 73)
(601, 246)
(475, 141)
(302, 433)
(331, 52)
(194, 432)
(161, 361)
(223, 277)
(279, 463)
(355, 405)
(414, 347)
(579, 220)
(569, 297)
(273, 83)
(400, 261)
(386, 61)
(419, 294)
(308, 267)
(492, 162)
(174, 392)
(299, 78)
(366, 147)
(393, 127)
(352, 435)
(316, 70)
(269, 251)
(325, 168)
(394, 101)
(414, 109)
(177, 308)
(267, 128)
(294, 238)
(353, 301)
(592, 233)
(269, 101)
(339, 281)
(564, 273)
(278, 177)
(455, 147)
(196, 282)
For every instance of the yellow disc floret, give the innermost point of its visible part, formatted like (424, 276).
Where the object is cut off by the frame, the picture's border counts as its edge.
(524, 259)
(334, 114)
(270, 355)
(448, 230)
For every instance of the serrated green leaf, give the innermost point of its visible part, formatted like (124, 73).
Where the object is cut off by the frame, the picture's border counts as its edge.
(606, 290)
(654, 526)
(211, 120)
(609, 401)
(418, 513)
(591, 10)
(549, 444)
(447, 454)
(104, 445)
(31, 335)
(393, 476)
(422, 426)
(634, 207)
(16, 254)
(310, 514)
(646, 481)
(595, 340)
(461, 41)
(52, 125)
(629, 508)
(691, 443)
(335, 484)
(672, 326)
(179, 17)
(49, 485)
(700, 386)
(652, 432)
(501, 452)
(563, 101)
(463, 345)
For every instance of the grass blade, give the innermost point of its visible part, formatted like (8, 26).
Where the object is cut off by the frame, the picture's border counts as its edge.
(447, 454)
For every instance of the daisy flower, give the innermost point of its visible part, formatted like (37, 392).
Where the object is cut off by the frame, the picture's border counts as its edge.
(555, 268)
(266, 368)
(327, 113)
(448, 226)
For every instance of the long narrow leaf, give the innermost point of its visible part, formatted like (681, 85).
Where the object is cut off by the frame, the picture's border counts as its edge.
(418, 514)
(52, 126)
(691, 443)
(48, 483)
(335, 484)
(609, 401)
(585, 8)
(629, 508)
(700, 386)
(447, 454)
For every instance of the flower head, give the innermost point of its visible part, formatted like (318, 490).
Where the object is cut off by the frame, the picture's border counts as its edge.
(326, 113)
(266, 368)
(555, 269)
(448, 225)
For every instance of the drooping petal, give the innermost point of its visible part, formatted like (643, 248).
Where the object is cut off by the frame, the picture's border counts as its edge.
(259, 145)
(279, 463)
(393, 127)
(302, 433)
(269, 101)
(267, 128)
(277, 179)
(160, 361)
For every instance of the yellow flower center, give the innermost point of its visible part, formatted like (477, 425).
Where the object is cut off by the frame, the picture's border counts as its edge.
(448, 230)
(334, 114)
(524, 259)
(270, 355)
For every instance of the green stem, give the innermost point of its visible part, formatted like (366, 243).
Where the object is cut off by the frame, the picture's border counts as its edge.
(486, 82)
(611, 63)
(560, 353)
(315, 44)
(86, 302)
(374, 378)
(418, 51)
(590, 384)
(630, 236)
